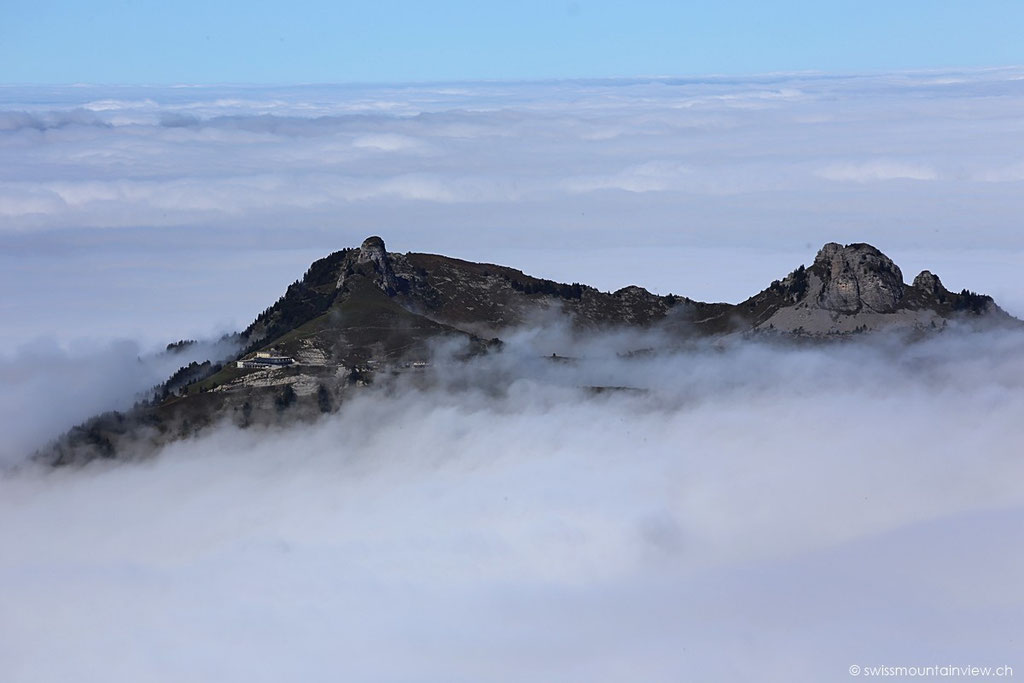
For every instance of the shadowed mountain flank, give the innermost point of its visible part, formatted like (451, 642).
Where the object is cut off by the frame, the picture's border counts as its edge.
(362, 315)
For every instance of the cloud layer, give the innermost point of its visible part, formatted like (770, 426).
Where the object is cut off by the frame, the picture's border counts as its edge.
(49, 388)
(761, 513)
(758, 513)
(125, 157)
(554, 174)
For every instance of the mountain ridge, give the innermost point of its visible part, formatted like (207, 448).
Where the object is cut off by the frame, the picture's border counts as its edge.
(361, 313)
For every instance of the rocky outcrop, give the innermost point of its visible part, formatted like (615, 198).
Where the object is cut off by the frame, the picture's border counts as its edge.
(929, 283)
(373, 253)
(856, 288)
(857, 277)
(371, 259)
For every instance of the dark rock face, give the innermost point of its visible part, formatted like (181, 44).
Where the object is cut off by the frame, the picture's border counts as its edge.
(372, 249)
(928, 282)
(855, 277)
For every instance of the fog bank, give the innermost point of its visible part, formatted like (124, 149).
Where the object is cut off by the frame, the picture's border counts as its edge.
(47, 388)
(760, 512)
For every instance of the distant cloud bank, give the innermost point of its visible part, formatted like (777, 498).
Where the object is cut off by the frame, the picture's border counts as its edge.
(548, 176)
(158, 157)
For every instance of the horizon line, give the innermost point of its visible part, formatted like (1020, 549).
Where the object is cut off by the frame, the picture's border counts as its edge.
(710, 76)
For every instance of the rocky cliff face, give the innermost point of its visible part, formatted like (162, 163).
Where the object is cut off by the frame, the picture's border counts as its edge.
(373, 254)
(930, 284)
(854, 278)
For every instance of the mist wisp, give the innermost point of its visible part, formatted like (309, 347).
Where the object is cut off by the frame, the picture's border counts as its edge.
(46, 387)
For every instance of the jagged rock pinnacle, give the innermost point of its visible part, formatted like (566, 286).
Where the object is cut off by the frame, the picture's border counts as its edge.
(372, 251)
(857, 276)
(929, 282)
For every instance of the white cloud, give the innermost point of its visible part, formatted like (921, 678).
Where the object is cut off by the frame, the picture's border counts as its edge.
(19, 201)
(48, 388)
(386, 142)
(757, 141)
(872, 171)
(755, 509)
(712, 529)
(117, 105)
(653, 176)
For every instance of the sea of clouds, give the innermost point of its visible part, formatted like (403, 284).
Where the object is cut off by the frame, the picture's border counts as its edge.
(156, 213)
(758, 512)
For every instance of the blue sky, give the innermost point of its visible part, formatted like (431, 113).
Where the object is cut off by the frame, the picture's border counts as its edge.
(198, 41)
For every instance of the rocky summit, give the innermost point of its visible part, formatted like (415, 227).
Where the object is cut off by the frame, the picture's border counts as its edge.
(364, 313)
(857, 288)
(856, 278)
